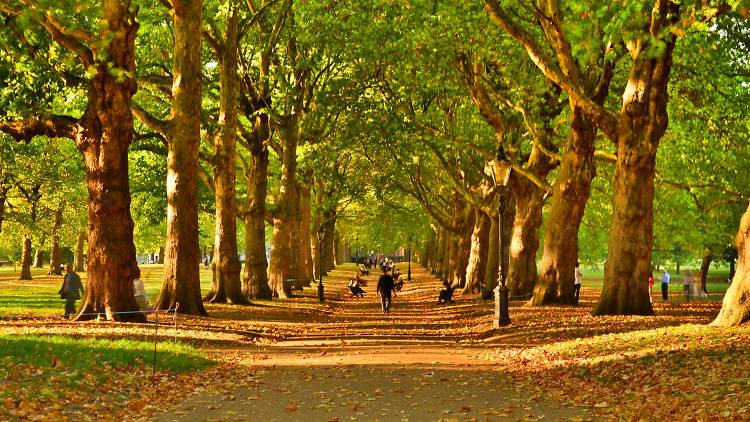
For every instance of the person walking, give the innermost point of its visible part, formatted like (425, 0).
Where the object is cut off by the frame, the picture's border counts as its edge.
(687, 285)
(650, 287)
(71, 290)
(384, 288)
(665, 286)
(577, 283)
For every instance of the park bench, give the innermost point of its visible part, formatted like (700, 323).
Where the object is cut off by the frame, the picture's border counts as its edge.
(296, 283)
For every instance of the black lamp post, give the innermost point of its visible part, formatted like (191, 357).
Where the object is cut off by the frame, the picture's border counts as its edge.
(321, 297)
(356, 254)
(501, 170)
(408, 263)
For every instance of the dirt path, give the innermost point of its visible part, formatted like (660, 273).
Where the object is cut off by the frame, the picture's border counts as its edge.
(421, 362)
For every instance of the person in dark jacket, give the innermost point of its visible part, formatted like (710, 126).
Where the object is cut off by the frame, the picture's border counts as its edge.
(385, 287)
(71, 290)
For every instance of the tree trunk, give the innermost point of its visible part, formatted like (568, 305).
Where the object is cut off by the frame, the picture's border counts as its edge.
(450, 259)
(285, 215)
(182, 261)
(39, 256)
(329, 247)
(735, 309)
(426, 259)
(160, 257)
(54, 265)
(79, 261)
(522, 270)
(26, 260)
(731, 268)
(306, 263)
(255, 278)
(106, 133)
(439, 253)
(225, 286)
(477, 266)
(463, 247)
(338, 251)
(4, 188)
(641, 123)
(569, 196)
(705, 264)
(490, 275)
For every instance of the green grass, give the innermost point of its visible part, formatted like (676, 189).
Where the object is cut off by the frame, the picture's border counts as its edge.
(39, 297)
(56, 368)
(88, 354)
(716, 280)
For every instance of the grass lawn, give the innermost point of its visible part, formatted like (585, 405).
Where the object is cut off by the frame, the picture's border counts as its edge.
(39, 297)
(716, 286)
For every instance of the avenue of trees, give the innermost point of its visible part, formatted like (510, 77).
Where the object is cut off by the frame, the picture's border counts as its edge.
(326, 129)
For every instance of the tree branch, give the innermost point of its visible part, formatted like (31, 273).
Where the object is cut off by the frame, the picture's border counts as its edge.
(159, 126)
(50, 126)
(604, 119)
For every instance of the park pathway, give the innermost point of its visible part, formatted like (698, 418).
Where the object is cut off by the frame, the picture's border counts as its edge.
(423, 361)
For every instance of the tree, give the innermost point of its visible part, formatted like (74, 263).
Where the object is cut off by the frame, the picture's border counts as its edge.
(182, 132)
(226, 285)
(735, 309)
(103, 134)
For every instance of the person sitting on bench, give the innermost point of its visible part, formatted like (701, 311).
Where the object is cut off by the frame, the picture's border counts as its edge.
(446, 295)
(356, 290)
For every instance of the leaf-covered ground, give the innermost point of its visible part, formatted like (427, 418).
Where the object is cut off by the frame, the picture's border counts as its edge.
(568, 363)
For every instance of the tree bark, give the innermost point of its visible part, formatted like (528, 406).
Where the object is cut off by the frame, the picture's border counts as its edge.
(569, 196)
(226, 286)
(449, 259)
(490, 275)
(79, 260)
(479, 249)
(255, 279)
(439, 253)
(54, 265)
(182, 262)
(39, 257)
(160, 259)
(705, 264)
(641, 123)
(463, 247)
(4, 188)
(285, 215)
(735, 309)
(329, 247)
(26, 260)
(104, 138)
(306, 262)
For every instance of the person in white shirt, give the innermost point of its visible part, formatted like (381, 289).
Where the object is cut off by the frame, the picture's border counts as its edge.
(577, 283)
(139, 291)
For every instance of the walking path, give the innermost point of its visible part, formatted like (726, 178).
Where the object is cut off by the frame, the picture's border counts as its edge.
(421, 362)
